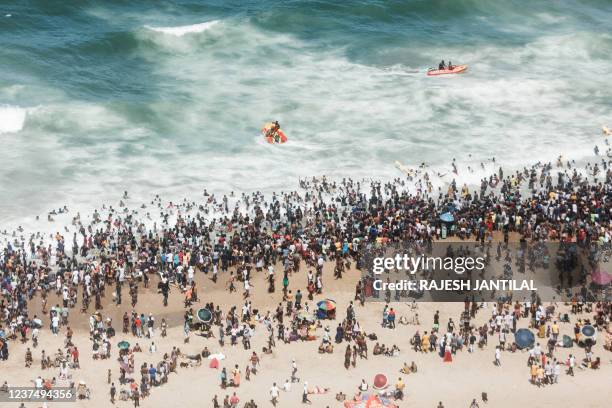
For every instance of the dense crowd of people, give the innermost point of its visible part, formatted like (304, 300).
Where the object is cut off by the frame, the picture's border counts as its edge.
(122, 252)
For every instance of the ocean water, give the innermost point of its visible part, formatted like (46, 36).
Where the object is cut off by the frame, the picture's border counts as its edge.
(168, 97)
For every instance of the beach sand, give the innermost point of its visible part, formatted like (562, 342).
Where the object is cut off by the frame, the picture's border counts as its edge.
(455, 384)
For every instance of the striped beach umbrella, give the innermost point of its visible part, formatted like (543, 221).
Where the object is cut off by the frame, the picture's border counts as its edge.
(326, 305)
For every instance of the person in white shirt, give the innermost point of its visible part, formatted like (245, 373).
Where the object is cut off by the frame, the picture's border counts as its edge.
(305, 399)
(287, 386)
(274, 394)
(498, 356)
(556, 372)
(55, 324)
(190, 275)
(572, 364)
(294, 370)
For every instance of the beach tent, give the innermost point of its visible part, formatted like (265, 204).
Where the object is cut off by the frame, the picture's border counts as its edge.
(204, 315)
(524, 338)
(380, 381)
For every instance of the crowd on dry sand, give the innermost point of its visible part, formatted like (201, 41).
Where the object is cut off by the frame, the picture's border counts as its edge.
(234, 243)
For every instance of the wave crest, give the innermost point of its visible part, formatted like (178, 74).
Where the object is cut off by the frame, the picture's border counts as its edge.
(12, 119)
(180, 31)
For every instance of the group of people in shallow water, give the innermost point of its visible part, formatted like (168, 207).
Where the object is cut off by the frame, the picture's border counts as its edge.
(293, 232)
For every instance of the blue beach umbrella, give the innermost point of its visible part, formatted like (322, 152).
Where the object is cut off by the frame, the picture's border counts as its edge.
(204, 315)
(524, 338)
(588, 330)
(447, 217)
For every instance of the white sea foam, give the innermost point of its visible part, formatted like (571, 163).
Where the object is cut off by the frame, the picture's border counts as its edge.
(343, 118)
(180, 31)
(12, 119)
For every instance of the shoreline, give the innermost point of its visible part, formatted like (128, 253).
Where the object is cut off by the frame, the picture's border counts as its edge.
(268, 250)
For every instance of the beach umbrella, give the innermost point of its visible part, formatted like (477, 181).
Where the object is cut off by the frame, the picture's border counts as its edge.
(37, 322)
(567, 341)
(601, 278)
(204, 315)
(524, 338)
(447, 217)
(218, 356)
(588, 331)
(123, 345)
(326, 305)
(380, 381)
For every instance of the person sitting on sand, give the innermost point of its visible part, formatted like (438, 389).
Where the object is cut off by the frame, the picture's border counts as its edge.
(391, 352)
(407, 369)
(377, 349)
(326, 348)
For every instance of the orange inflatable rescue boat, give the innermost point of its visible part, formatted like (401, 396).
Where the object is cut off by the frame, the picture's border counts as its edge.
(457, 69)
(271, 136)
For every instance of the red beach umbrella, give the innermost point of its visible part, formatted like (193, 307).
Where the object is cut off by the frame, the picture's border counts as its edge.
(380, 381)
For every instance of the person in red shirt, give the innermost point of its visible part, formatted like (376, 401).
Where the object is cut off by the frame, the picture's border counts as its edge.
(234, 401)
(75, 357)
(138, 324)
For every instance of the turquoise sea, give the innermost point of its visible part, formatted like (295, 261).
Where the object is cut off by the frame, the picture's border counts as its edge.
(98, 97)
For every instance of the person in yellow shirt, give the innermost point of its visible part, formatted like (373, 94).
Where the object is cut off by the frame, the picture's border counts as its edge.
(534, 373)
(399, 389)
(540, 380)
(425, 343)
(555, 330)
